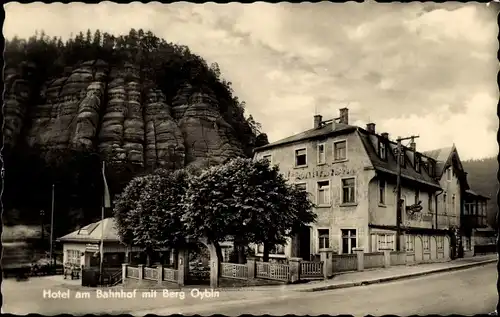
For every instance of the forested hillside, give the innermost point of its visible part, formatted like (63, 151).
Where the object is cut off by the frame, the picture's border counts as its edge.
(482, 177)
(134, 101)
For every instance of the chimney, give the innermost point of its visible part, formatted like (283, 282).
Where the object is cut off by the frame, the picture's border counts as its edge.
(344, 116)
(413, 146)
(370, 127)
(317, 121)
(385, 135)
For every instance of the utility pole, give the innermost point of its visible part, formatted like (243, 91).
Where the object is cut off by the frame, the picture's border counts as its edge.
(399, 212)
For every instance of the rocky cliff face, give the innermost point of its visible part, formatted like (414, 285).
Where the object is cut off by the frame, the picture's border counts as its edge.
(96, 106)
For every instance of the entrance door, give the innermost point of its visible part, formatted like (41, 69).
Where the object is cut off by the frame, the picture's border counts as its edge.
(305, 243)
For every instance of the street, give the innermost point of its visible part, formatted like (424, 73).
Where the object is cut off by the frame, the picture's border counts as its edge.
(466, 292)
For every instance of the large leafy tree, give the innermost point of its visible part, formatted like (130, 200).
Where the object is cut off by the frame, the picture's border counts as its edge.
(245, 200)
(148, 212)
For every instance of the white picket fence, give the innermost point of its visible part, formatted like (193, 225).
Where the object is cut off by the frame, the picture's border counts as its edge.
(272, 271)
(170, 275)
(233, 270)
(310, 269)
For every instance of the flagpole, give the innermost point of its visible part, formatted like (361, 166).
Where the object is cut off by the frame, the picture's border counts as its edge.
(102, 225)
(52, 225)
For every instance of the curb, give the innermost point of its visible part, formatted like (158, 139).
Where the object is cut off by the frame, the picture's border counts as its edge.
(398, 277)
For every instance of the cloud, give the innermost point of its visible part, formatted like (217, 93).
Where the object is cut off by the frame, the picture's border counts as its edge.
(391, 63)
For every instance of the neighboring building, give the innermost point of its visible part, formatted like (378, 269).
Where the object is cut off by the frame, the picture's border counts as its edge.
(351, 175)
(474, 225)
(85, 242)
(460, 209)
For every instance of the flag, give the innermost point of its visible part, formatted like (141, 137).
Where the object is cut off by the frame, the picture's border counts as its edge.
(107, 200)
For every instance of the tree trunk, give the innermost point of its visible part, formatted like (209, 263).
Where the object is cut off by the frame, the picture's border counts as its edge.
(241, 255)
(265, 258)
(218, 251)
(176, 259)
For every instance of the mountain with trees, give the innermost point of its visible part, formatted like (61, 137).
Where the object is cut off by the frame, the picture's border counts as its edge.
(134, 101)
(482, 178)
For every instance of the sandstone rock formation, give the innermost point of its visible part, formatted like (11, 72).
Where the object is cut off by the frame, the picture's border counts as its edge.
(110, 109)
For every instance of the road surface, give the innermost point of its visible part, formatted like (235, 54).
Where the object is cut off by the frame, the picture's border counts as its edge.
(466, 292)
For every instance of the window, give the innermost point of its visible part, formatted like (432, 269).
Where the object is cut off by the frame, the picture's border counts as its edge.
(425, 242)
(382, 152)
(448, 174)
(417, 196)
(321, 154)
(431, 168)
(348, 190)
(403, 159)
(300, 157)
(381, 191)
(429, 201)
(324, 238)
(323, 193)
(277, 249)
(417, 163)
(467, 209)
(410, 243)
(385, 241)
(440, 242)
(453, 202)
(339, 150)
(302, 186)
(445, 201)
(268, 157)
(348, 240)
(73, 257)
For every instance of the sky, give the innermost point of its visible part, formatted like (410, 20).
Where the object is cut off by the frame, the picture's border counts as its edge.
(422, 69)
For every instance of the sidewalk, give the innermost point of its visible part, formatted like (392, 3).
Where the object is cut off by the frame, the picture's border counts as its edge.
(393, 273)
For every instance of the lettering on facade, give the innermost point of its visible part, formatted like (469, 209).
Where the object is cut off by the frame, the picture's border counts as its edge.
(328, 171)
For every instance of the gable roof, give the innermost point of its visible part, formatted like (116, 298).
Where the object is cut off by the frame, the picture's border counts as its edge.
(314, 133)
(442, 157)
(390, 166)
(92, 232)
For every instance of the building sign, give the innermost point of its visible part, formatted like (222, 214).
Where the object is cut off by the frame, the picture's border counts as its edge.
(341, 170)
(92, 247)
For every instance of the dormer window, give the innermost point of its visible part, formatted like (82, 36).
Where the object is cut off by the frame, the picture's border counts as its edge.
(382, 151)
(417, 163)
(430, 165)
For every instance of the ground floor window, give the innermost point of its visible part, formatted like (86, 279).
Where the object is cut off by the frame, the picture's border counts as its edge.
(349, 241)
(410, 243)
(440, 242)
(73, 256)
(425, 243)
(385, 241)
(324, 238)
